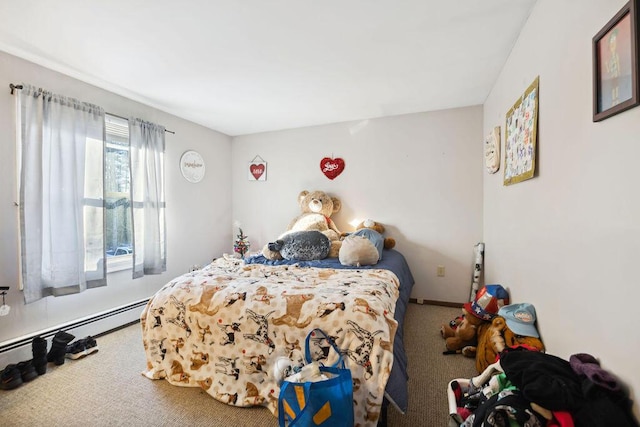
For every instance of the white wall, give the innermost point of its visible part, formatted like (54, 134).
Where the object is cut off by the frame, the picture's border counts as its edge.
(568, 240)
(418, 174)
(197, 214)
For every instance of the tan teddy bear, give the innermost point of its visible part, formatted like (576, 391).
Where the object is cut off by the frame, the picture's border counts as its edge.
(316, 209)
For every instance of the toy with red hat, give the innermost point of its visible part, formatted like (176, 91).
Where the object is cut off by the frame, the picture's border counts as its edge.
(488, 301)
(463, 332)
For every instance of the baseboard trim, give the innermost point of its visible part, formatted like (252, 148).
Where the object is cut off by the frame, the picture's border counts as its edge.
(95, 324)
(117, 328)
(434, 302)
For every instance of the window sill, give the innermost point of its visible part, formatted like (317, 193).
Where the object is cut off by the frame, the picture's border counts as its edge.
(119, 263)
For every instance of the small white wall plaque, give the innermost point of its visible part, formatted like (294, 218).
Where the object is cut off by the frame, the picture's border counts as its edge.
(492, 150)
(192, 166)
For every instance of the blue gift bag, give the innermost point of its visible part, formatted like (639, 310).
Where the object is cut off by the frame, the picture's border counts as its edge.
(327, 403)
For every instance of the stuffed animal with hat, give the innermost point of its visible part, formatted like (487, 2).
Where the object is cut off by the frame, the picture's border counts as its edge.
(513, 327)
(464, 334)
(364, 246)
(477, 315)
(521, 326)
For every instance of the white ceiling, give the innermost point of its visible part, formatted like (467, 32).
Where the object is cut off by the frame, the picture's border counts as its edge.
(247, 66)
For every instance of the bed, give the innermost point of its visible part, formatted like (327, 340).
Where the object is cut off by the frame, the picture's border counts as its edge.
(223, 327)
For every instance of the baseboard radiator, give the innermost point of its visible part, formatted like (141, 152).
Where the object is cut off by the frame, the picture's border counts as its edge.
(19, 349)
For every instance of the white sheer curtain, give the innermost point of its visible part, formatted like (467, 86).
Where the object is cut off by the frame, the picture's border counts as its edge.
(61, 194)
(147, 197)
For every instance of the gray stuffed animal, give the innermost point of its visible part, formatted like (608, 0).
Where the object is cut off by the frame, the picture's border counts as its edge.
(302, 245)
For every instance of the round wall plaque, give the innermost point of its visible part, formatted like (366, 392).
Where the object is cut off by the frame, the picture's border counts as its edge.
(192, 166)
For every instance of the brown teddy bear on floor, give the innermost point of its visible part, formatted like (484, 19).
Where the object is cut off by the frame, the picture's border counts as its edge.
(464, 334)
(316, 209)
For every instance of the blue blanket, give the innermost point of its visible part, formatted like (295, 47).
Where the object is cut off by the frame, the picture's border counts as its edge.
(397, 391)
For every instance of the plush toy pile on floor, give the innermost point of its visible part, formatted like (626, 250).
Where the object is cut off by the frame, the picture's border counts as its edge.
(518, 383)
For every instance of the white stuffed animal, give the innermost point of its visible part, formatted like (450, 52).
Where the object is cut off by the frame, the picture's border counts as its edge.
(364, 246)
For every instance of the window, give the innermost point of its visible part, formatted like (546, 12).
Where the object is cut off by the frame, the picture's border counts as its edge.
(117, 185)
(84, 178)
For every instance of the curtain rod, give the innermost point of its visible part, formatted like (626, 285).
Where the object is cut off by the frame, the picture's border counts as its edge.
(14, 87)
(124, 118)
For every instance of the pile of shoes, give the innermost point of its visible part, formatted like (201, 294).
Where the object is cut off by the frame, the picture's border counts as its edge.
(14, 375)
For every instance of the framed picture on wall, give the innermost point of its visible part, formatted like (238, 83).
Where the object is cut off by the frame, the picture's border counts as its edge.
(520, 137)
(615, 64)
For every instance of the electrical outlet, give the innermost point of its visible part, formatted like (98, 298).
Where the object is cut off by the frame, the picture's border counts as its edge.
(440, 271)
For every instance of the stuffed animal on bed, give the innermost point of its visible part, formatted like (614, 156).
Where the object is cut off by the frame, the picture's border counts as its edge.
(302, 245)
(364, 246)
(316, 209)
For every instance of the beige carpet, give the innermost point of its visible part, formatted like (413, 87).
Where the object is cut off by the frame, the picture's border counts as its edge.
(107, 389)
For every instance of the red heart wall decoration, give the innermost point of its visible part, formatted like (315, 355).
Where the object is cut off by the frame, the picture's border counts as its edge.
(256, 170)
(331, 168)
